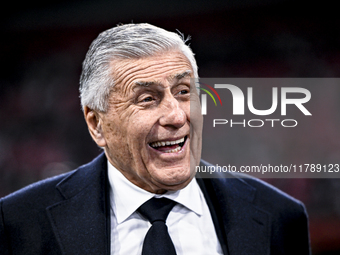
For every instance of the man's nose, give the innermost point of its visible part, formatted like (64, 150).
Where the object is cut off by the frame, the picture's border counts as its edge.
(172, 113)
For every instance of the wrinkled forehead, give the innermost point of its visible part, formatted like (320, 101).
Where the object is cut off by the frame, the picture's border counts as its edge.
(153, 70)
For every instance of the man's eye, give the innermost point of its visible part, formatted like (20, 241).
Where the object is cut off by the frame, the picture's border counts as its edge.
(183, 92)
(147, 99)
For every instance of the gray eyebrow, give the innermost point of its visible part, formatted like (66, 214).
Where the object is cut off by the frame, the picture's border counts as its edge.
(146, 83)
(182, 75)
(178, 76)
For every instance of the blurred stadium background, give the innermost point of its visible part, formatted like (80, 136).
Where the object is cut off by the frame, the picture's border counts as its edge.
(42, 131)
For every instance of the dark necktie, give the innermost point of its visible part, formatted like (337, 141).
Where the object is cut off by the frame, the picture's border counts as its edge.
(157, 239)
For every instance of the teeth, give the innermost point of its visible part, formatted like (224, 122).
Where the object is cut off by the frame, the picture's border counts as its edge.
(174, 150)
(164, 143)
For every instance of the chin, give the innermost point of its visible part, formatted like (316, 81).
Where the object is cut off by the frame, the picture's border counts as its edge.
(175, 181)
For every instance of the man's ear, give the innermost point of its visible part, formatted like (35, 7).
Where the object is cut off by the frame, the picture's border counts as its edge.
(94, 124)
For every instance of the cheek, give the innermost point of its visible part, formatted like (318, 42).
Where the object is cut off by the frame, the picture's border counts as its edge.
(145, 122)
(115, 137)
(118, 147)
(195, 116)
(129, 137)
(196, 128)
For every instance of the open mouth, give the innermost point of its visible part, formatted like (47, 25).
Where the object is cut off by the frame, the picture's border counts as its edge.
(169, 146)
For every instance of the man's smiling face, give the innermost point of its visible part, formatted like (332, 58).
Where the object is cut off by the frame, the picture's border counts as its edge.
(147, 131)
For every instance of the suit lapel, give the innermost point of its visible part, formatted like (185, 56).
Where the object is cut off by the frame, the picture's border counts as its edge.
(80, 221)
(242, 228)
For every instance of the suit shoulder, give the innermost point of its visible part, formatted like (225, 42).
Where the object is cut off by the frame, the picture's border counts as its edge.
(36, 192)
(268, 193)
(46, 191)
(271, 198)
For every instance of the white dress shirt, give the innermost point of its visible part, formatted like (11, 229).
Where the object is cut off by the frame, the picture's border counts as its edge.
(189, 223)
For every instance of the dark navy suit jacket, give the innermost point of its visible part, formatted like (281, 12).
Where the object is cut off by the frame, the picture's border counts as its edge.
(69, 214)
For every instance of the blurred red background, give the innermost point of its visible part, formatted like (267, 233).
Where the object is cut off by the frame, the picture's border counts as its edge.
(42, 131)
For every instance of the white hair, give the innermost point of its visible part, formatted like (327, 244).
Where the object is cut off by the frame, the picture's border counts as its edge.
(131, 41)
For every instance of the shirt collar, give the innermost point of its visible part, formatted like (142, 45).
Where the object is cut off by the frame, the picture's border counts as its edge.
(126, 197)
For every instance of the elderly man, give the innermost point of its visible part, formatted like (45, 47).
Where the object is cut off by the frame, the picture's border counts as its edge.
(141, 195)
